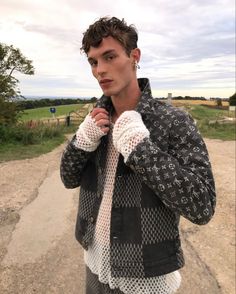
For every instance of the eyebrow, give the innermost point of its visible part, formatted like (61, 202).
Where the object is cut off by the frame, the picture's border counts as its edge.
(103, 54)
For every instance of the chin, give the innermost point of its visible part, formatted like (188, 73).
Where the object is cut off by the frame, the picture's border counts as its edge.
(108, 93)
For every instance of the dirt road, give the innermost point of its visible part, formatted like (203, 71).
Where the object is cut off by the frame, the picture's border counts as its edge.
(38, 251)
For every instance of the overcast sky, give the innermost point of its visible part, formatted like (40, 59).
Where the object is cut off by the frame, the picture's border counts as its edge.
(187, 45)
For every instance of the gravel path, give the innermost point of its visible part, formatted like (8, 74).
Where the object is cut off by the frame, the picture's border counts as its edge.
(38, 251)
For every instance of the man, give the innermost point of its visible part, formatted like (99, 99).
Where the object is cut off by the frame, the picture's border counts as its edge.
(140, 165)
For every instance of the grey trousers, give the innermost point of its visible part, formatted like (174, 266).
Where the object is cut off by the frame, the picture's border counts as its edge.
(94, 286)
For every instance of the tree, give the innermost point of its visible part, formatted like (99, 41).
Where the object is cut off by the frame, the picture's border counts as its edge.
(11, 61)
(232, 100)
(93, 99)
(219, 102)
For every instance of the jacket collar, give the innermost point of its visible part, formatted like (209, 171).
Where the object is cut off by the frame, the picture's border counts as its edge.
(145, 104)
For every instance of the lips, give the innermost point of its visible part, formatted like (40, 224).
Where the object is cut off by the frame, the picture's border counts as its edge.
(105, 82)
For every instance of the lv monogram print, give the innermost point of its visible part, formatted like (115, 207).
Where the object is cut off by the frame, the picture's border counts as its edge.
(166, 176)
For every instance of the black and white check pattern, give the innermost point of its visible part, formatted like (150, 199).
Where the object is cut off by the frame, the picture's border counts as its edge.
(166, 176)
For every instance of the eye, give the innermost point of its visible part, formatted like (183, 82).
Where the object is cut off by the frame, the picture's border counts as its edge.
(93, 62)
(110, 57)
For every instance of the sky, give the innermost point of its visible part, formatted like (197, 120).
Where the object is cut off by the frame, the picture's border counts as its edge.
(187, 46)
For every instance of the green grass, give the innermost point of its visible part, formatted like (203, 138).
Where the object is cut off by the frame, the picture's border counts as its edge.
(29, 140)
(200, 112)
(20, 142)
(224, 132)
(24, 142)
(208, 122)
(16, 151)
(43, 112)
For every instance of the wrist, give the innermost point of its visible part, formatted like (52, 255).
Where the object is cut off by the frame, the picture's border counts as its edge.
(88, 136)
(129, 131)
(128, 144)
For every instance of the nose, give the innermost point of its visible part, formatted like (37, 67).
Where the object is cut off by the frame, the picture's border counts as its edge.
(100, 68)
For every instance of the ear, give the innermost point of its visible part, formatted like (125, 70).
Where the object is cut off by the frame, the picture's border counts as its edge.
(135, 55)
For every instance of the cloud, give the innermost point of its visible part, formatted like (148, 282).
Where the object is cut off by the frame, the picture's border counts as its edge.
(186, 45)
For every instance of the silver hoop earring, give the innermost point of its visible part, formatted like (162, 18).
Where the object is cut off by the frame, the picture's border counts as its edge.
(137, 65)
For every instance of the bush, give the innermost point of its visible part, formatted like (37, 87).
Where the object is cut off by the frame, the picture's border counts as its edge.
(232, 100)
(27, 135)
(219, 102)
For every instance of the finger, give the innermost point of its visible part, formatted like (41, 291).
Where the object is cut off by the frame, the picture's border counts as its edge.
(97, 110)
(103, 122)
(101, 116)
(105, 129)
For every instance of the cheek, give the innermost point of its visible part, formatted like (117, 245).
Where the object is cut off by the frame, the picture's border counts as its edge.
(94, 72)
(126, 70)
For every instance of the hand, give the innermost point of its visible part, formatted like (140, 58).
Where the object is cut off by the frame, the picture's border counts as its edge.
(101, 118)
(92, 129)
(129, 130)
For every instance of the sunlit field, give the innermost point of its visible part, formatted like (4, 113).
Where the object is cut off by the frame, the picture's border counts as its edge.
(197, 102)
(36, 135)
(44, 112)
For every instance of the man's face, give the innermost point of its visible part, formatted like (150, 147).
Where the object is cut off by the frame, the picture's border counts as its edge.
(112, 67)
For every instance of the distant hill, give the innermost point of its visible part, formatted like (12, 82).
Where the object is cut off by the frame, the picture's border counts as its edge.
(30, 103)
(33, 97)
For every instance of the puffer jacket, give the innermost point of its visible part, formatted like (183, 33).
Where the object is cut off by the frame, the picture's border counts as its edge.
(166, 176)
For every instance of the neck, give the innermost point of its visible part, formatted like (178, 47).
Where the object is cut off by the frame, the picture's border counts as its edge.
(126, 100)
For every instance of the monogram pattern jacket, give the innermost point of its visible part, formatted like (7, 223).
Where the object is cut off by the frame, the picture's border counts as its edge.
(166, 176)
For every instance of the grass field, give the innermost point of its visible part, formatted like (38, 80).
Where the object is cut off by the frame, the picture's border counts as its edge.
(197, 102)
(22, 141)
(13, 151)
(62, 110)
(44, 113)
(211, 123)
(208, 118)
(205, 112)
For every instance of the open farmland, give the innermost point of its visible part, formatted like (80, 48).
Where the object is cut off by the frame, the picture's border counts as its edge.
(197, 102)
(41, 132)
(63, 110)
(44, 112)
(212, 121)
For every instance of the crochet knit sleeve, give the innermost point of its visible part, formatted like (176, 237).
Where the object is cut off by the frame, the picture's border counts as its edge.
(182, 177)
(88, 136)
(129, 131)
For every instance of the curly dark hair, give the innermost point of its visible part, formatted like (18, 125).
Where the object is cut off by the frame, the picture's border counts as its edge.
(114, 27)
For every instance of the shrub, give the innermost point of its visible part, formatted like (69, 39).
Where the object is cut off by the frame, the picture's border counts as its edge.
(232, 100)
(219, 102)
(26, 135)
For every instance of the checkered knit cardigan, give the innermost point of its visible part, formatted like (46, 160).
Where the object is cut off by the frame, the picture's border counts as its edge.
(166, 176)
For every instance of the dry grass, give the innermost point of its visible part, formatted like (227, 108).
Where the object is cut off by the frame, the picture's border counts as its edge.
(197, 102)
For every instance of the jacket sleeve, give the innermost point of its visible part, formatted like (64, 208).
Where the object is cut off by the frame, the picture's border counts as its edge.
(181, 177)
(73, 162)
